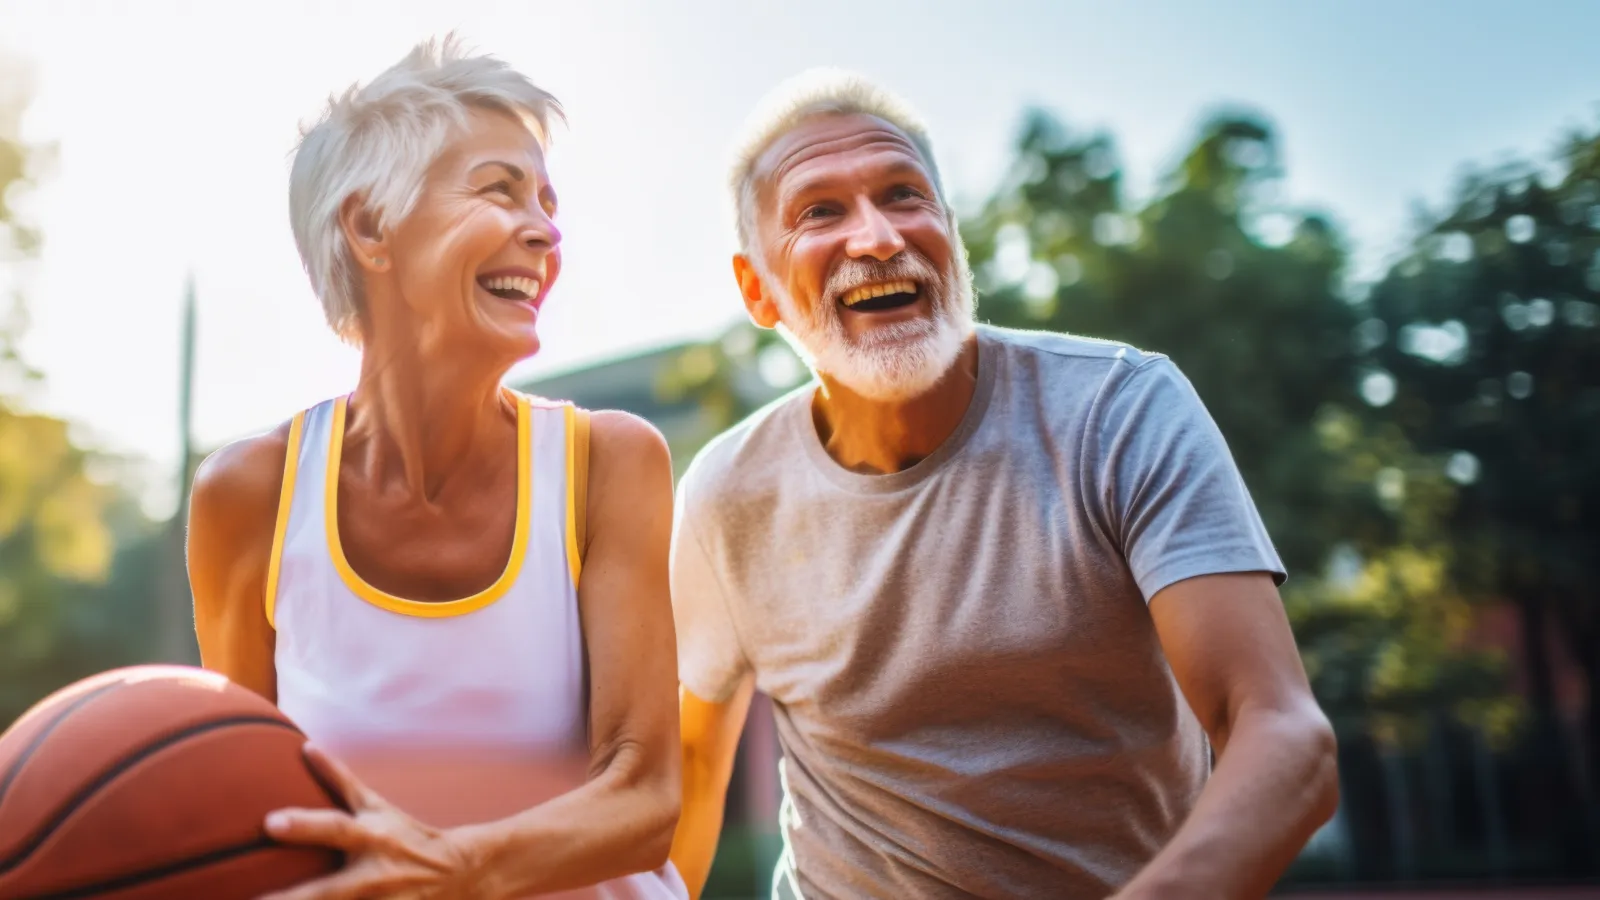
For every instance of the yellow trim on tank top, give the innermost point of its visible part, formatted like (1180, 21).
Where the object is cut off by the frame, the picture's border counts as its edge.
(574, 557)
(384, 600)
(291, 468)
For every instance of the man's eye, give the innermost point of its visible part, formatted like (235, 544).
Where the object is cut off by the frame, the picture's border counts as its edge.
(817, 212)
(905, 193)
(503, 187)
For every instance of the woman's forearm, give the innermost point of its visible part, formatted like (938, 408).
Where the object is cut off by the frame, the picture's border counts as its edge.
(619, 823)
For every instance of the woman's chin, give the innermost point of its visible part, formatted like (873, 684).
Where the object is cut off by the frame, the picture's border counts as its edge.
(518, 333)
(516, 347)
(497, 348)
(522, 343)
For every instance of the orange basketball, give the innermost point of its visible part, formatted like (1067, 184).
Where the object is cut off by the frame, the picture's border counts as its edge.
(152, 782)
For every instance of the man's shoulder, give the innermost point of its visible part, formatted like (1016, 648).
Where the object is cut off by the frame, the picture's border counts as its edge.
(1056, 348)
(752, 449)
(1069, 368)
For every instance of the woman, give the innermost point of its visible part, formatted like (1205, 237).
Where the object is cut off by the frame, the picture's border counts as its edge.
(399, 569)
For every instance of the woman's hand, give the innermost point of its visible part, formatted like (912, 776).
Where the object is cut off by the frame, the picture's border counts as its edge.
(387, 852)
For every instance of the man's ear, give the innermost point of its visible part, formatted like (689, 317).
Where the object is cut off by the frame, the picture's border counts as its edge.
(362, 234)
(757, 299)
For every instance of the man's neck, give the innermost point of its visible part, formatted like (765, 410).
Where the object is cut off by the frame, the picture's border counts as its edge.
(877, 437)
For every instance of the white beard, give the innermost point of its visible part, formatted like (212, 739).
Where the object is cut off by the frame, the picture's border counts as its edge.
(889, 362)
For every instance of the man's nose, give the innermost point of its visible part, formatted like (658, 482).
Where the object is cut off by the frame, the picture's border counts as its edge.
(874, 235)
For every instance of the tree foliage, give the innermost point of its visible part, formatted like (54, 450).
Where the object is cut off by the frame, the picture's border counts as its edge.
(1487, 336)
(71, 575)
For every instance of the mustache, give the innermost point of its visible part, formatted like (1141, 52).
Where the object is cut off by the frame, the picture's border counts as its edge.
(853, 272)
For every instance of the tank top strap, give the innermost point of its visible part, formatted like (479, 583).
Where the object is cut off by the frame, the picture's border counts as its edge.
(552, 446)
(304, 459)
(556, 468)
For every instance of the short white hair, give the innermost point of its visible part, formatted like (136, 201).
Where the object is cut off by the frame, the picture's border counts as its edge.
(376, 141)
(814, 93)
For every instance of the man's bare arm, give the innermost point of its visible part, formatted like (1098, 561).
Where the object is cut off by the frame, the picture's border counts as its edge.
(1276, 780)
(710, 742)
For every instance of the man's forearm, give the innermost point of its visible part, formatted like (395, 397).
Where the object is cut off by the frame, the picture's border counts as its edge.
(694, 845)
(1275, 784)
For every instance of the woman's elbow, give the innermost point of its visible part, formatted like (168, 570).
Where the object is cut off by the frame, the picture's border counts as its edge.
(661, 806)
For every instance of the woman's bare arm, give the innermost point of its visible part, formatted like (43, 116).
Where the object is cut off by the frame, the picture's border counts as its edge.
(232, 513)
(621, 821)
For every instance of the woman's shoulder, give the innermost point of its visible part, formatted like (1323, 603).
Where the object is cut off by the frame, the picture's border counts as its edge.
(244, 476)
(625, 432)
(626, 451)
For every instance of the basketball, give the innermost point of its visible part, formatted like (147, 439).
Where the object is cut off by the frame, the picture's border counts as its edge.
(152, 782)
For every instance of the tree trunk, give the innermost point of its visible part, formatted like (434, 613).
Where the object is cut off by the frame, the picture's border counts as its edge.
(1580, 623)
(1536, 659)
(1589, 661)
(1567, 790)
(1548, 758)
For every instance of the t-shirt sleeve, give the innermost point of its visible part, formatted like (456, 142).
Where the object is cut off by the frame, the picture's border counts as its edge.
(710, 660)
(1172, 495)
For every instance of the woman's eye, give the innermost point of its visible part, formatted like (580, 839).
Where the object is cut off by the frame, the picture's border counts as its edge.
(503, 187)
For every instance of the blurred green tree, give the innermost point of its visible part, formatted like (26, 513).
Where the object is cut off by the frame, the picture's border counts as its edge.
(1485, 340)
(729, 378)
(68, 591)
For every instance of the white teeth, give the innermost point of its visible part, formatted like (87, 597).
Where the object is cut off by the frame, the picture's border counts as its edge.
(528, 286)
(868, 291)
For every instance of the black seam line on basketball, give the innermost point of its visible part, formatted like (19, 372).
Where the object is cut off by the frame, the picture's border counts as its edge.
(52, 725)
(67, 809)
(137, 878)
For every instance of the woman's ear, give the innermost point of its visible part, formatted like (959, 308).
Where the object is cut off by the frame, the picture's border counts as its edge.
(361, 232)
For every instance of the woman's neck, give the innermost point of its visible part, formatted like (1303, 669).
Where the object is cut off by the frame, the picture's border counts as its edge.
(418, 420)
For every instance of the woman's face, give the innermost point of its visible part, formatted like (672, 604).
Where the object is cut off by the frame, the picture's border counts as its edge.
(476, 257)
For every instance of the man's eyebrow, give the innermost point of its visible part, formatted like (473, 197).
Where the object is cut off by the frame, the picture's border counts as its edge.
(818, 184)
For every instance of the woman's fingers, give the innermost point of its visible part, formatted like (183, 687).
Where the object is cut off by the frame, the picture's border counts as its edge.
(356, 796)
(319, 827)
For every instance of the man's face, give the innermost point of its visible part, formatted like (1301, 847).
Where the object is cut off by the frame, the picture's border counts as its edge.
(858, 259)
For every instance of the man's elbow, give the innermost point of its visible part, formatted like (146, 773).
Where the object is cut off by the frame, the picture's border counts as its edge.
(1323, 756)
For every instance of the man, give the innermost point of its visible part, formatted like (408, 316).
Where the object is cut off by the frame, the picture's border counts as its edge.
(1000, 586)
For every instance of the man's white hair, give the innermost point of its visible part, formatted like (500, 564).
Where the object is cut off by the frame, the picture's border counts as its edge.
(817, 92)
(376, 141)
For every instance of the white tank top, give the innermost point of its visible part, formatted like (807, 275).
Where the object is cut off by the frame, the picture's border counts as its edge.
(461, 711)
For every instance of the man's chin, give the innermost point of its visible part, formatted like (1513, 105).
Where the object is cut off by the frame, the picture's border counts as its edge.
(893, 373)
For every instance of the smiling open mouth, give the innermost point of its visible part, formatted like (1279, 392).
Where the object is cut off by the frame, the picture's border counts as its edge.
(879, 297)
(511, 287)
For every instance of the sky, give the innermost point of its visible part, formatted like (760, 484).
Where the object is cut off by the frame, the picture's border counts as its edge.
(175, 121)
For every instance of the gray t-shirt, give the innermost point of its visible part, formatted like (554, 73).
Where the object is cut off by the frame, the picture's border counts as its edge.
(969, 692)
